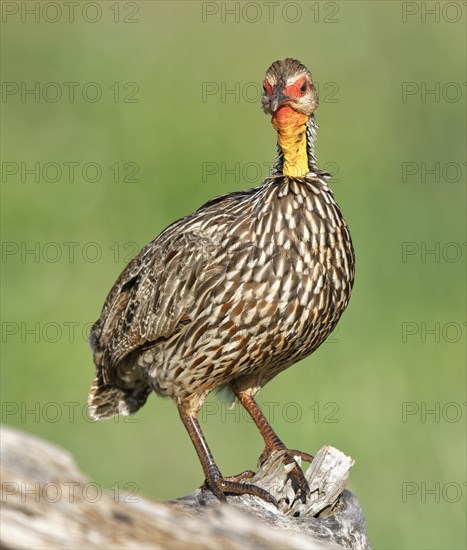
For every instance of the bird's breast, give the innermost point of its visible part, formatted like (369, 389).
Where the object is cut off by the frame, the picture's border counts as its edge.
(291, 263)
(280, 280)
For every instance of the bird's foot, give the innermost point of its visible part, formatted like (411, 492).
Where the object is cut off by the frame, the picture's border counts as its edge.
(289, 456)
(221, 486)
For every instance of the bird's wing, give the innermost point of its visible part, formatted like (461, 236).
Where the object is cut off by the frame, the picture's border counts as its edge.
(153, 297)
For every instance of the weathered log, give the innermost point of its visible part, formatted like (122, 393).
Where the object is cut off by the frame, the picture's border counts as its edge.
(44, 505)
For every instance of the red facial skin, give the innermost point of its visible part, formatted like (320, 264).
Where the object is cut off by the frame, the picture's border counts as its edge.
(267, 87)
(294, 91)
(285, 114)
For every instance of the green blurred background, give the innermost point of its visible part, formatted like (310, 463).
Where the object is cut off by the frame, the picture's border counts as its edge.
(399, 351)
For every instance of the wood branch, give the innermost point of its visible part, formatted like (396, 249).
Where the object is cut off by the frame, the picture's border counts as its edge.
(47, 503)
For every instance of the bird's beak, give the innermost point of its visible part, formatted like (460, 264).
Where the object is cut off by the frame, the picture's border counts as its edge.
(277, 98)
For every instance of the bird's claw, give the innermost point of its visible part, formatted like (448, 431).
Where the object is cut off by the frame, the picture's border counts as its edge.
(247, 474)
(221, 486)
(289, 457)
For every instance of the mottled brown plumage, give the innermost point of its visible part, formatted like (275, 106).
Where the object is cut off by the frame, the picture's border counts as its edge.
(233, 294)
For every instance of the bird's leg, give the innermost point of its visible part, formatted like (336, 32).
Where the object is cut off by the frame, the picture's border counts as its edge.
(219, 485)
(272, 440)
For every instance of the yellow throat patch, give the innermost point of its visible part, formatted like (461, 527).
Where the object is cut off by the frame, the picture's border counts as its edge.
(291, 136)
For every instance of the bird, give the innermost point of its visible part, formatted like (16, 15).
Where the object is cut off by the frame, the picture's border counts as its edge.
(231, 295)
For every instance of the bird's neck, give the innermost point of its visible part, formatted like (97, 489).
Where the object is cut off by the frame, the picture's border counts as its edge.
(296, 134)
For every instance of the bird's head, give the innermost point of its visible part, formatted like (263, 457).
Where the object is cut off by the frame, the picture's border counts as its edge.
(291, 98)
(288, 83)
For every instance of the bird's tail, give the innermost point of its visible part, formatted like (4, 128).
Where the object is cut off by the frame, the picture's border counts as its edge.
(106, 400)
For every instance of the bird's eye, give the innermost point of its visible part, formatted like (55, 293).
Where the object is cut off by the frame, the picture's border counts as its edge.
(303, 87)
